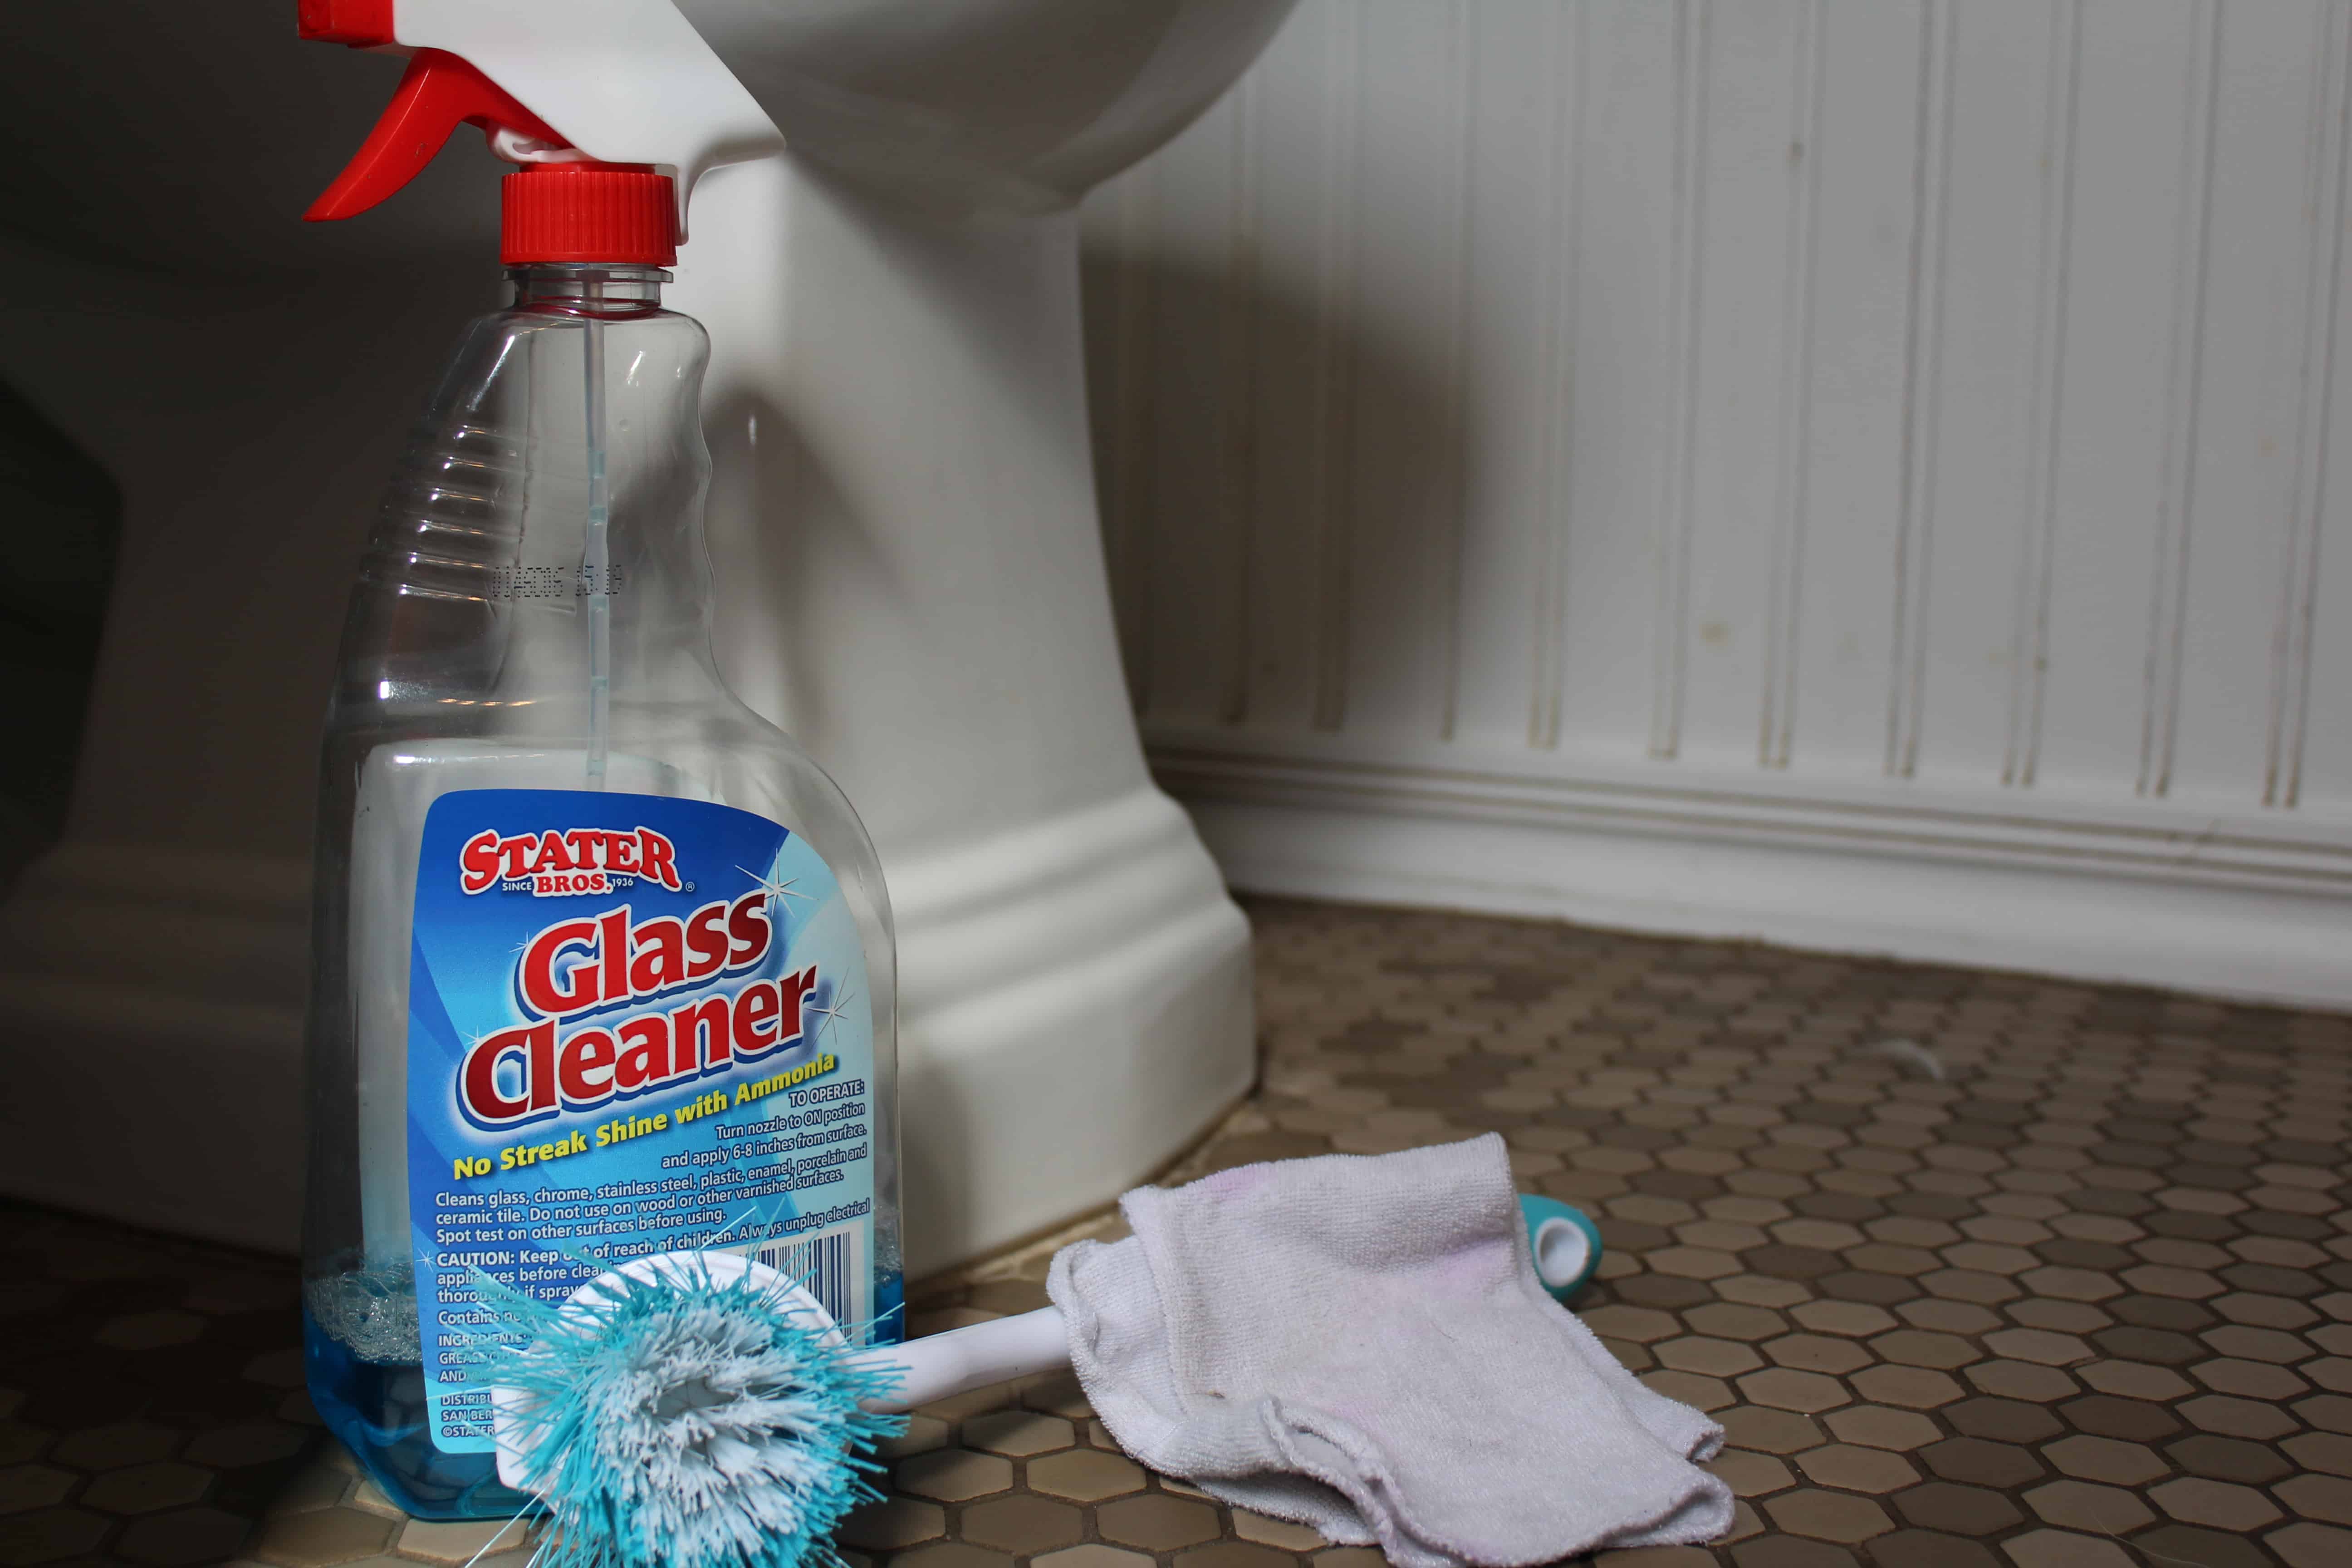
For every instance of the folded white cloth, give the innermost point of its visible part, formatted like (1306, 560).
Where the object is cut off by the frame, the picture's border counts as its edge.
(1361, 1344)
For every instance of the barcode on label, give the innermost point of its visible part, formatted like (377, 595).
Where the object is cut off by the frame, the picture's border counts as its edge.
(829, 1265)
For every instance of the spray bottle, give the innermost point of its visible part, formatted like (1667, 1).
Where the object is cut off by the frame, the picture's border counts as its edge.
(603, 964)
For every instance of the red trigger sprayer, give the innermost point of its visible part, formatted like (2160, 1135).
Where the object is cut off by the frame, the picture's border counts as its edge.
(599, 218)
(617, 86)
(437, 94)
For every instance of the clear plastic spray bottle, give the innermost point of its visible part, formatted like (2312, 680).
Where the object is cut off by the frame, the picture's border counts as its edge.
(604, 963)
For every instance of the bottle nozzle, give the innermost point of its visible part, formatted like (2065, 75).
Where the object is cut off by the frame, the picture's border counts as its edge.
(439, 92)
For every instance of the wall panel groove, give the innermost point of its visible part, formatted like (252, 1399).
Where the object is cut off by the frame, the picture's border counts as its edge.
(1670, 632)
(1564, 46)
(1914, 539)
(1462, 127)
(1336, 306)
(2324, 276)
(2168, 581)
(2029, 677)
(1778, 719)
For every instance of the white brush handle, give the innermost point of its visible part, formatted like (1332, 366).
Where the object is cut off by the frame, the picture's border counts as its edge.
(938, 1366)
(933, 1368)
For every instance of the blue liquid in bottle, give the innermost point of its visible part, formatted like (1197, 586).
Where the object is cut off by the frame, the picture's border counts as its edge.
(379, 1413)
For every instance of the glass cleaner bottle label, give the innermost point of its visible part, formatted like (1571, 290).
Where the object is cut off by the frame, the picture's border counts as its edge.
(636, 1024)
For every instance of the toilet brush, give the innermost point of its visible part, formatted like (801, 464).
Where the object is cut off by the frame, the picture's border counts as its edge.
(699, 1409)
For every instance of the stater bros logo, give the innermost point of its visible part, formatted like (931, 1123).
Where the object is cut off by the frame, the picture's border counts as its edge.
(566, 862)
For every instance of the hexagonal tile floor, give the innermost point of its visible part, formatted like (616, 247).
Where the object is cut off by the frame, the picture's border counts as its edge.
(151, 1394)
(1976, 1269)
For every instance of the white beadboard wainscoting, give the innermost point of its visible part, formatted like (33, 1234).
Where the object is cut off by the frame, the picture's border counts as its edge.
(1850, 472)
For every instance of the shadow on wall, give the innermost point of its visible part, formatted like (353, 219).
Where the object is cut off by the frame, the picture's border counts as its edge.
(65, 519)
(1253, 448)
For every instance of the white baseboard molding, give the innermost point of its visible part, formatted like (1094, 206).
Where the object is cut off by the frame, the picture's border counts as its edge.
(2255, 907)
(1075, 1010)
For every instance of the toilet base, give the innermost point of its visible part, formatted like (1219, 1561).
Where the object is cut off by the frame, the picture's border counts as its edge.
(1078, 1011)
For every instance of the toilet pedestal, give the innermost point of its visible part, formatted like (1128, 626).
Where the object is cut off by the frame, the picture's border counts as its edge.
(912, 583)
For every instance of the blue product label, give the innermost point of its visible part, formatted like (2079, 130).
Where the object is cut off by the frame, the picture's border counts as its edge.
(636, 1025)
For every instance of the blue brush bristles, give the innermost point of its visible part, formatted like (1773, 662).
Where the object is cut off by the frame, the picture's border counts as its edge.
(678, 1421)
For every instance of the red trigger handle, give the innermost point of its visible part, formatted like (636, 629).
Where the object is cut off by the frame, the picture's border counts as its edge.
(439, 92)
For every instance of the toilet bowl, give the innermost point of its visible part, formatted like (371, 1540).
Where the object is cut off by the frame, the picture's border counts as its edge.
(910, 571)
(1003, 103)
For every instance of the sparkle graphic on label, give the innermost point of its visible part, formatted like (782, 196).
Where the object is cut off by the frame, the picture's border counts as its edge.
(833, 1012)
(774, 884)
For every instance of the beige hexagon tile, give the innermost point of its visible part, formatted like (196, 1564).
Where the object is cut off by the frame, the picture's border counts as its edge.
(1277, 1532)
(459, 1544)
(1084, 1475)
(2305, 1544)
(1782, 1388)
(1708, 1357)
(1093, 1554)
(24, 1488)
(317, 1486)
(1876, 1427)
(2327, 1498)
(1752, 1475)
(2088, 1506)
(1905, 1387)
(1853, 1467)
(1851, 1319)
(2196, 1499)
(2237, 1417)
(325, 1536)
(116, 1445)
(2134, 1380)
(1018, 1433)
(1816, 1353)
(2066, 1549)
(147, 1488)
(1022, 1523)
(1157, 1522)
(369, 1497)
(894, 1524)
(1827, 1515)
(923, 1434)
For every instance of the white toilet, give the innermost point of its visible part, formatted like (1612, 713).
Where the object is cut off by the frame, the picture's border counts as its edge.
(902, 520)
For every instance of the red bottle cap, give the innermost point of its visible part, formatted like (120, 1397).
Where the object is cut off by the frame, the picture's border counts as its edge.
(587, 212)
